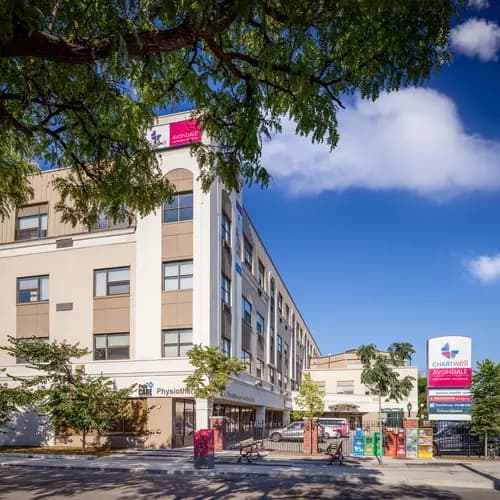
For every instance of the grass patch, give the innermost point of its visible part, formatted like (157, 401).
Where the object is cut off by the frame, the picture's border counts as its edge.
(55, 450)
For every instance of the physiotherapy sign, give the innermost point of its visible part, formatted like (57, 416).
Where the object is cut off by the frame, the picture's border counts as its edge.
(449, 362)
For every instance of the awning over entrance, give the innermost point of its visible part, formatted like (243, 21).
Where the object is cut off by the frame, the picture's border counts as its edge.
(344, 408)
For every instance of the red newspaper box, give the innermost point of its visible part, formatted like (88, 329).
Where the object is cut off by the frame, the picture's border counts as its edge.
(204, 449)
(401, 450)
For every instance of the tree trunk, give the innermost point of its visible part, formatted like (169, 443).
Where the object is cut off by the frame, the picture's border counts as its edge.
(379, 449)
(486, 444)
(83, 442)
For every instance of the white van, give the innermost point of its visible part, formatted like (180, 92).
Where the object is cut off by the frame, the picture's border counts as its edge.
(334, 427)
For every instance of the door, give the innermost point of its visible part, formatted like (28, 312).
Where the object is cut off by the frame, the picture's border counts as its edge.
(184, 423)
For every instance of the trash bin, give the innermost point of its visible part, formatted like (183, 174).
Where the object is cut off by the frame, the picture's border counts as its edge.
(204, 449)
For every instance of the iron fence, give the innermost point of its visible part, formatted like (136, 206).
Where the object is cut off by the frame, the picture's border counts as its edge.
(449, 438)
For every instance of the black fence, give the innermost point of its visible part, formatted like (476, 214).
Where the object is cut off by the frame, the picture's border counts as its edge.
(449, 438)
(275, 437)
(457, 438)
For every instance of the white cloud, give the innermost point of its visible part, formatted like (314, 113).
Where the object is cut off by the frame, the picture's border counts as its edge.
(412, 140)
(477, 38)
(486, 269)
(478, 4)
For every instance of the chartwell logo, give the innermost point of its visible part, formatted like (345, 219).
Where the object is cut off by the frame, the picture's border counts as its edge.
(449, 353)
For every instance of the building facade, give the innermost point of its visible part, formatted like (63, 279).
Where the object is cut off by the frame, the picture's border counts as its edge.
(137, 297)
(339, 377)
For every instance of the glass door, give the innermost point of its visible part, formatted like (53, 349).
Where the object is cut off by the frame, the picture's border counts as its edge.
(184, 422)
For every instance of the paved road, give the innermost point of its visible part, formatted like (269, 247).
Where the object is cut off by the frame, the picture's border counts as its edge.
(38, 484)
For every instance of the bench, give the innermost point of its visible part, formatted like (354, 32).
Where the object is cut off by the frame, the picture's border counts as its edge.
(335, 452)
(250, 447)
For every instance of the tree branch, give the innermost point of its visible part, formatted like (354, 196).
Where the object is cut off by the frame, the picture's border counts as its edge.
(82, 51)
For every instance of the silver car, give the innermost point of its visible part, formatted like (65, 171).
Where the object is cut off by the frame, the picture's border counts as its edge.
(293, 432)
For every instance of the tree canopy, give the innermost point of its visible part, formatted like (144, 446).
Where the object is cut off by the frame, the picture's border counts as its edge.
(66, 395)
(378, 369)
(485, 390)
(310, 398)
(82, 81)
(212, 371)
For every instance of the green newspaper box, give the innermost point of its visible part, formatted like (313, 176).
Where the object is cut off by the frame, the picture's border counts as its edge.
(369, 445)
(378, 444)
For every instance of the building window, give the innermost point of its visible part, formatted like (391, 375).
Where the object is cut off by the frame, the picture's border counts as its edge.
(248, 254)
(321, 384)
(285, 382)
(178, 275)
(280, 344)
(106, 222)
(32, 339)
(225, 289)
(226, 229)
(280, 304)
(261, 271)
(259, 368)
(247, 358)
(225, 347)
(260, 324)
(110, 346)
(285, 349)
(272, 296)
(246, 312)
(114, 281)
(287, 314)
(345, 386)
(29, 227)
(176, 343)
(280, 381)
(271, 375)
(180, 209)
(32, 289)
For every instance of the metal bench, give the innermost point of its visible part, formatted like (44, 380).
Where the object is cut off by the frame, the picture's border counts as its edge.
(250, 447)
(335, 452)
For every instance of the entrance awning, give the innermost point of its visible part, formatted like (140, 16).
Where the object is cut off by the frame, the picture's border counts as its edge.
(344, 408)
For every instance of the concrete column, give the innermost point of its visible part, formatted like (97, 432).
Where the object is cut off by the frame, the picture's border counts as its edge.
(203, 412)
(260, 415)
(286, 417)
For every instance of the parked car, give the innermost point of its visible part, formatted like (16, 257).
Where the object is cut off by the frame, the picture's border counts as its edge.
(457, 439)
(294, 432)
(334, 427)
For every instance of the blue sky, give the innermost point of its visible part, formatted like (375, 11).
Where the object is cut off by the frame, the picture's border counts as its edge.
(395, 236)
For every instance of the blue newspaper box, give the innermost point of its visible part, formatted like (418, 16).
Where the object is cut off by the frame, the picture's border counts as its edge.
(358, 447)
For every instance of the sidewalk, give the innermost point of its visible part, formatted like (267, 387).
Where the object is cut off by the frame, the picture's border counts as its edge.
(366, 470)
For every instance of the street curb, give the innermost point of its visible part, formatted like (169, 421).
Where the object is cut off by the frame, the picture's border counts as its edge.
(47, 456)
(354, 479)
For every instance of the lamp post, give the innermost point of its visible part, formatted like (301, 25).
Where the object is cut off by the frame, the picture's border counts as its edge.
(409, 406)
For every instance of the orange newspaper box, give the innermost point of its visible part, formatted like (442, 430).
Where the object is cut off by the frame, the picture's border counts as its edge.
(391, 443)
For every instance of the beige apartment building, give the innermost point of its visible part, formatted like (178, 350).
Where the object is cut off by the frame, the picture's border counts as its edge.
(137, 297)
(339, 377)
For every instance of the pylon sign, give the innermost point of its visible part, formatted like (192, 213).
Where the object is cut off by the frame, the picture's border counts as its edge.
(449, 375)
